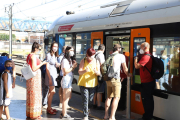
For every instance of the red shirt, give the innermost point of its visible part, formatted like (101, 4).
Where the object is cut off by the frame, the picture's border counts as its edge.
(144, 74)
(30, 61)
(122, 74)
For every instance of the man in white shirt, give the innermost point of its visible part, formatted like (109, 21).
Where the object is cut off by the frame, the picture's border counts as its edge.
(101, 83)
(114, 85)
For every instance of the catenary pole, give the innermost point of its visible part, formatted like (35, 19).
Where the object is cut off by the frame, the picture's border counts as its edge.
(10, 31)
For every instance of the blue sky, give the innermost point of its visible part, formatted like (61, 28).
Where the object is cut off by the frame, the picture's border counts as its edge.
(49, 10)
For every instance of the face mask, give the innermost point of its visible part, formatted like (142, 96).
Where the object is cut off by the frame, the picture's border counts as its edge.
(71, 53)
(8, 68)
(154, 53)
(38, 52)
(54, 49)
(141, 51)
(164, 57)
(178, 51)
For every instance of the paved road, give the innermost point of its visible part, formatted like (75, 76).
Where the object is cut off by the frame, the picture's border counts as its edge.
(18, 106)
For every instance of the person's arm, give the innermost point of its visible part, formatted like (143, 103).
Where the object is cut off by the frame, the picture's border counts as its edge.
(14, 74)
(5, 78)
(81, 66)
(34, 63)
(136, 64)
(68, 70)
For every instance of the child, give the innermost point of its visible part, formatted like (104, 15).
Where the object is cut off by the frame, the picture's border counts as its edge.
(6, 89)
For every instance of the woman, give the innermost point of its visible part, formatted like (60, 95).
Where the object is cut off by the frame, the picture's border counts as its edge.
(50, 77)
(89, 69)
(33, 85)
(68, 64)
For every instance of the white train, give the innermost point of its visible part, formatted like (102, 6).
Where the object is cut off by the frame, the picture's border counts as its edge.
(130, 23)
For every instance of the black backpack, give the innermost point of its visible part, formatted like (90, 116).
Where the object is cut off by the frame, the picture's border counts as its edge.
(157, 69)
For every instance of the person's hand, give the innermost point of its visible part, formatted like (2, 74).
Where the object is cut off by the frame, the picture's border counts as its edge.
(57, 64)
(122, 79)
(74, 64)
(129, 75)
(87, 69)
(7, 95)
(13, 85)
(95, 71)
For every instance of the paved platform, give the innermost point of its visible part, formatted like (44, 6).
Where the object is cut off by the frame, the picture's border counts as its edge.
(18, 106)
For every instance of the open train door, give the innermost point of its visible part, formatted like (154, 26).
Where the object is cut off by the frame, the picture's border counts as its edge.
(96, 39)
(138, 36)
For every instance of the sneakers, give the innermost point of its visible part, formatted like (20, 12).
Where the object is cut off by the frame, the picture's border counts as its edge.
(44, 106)
(66, 116)
(86, 118)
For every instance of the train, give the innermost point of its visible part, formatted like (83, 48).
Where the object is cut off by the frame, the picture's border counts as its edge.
(129, 23)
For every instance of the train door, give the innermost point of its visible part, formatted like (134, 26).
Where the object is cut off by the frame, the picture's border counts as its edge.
(138, 36)
(96, 39)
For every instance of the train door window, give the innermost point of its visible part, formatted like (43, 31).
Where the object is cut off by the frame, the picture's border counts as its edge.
(137, 44)
(96, 43)
(67, 38)
(167, 48)
(83, 42)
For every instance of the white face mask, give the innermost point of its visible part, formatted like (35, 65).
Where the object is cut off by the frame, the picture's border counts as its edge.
(71, 53)
(141, 51)
(178, 51)
(54, 49)
(154, 53)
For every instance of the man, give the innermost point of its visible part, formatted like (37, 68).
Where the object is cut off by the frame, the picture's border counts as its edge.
(147, 82)
(101, 84)
(114, 85)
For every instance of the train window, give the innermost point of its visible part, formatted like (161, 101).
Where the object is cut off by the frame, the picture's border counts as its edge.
(137, 43)
(96, 43)
(67, 38)
(83, 42)
(167, 48)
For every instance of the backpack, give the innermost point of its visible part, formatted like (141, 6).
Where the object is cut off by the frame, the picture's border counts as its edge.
(107, 69)
(157, 69)
(2, 62)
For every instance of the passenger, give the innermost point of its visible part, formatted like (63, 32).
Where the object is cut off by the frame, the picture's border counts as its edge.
(114, 85)
(13, 68)
(51, 75)
(101, 83)
(157, 80)
(33, 85)
(122, 102)
(89, 69)
(61, 56)
(147, 82)
(67, 65)
(6, 89)
(165, 77)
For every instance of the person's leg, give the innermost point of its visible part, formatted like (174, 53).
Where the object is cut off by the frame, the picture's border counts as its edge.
(148, 101)
(7, 112)
(161, 83)
(122, 102)
(50, 96)
(1, 111)
(60, 96)
(116, 88)
(66, 97)
(94, 99)
(107, 105)
(85, 99)
(99, 98)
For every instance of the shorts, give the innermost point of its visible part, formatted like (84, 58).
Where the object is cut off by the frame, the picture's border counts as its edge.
(113, 88)
(101, 87)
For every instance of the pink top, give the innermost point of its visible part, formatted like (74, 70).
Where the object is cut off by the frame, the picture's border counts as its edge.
(30, 61)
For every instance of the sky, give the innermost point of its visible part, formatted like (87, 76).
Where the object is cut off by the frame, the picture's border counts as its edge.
(49, 10)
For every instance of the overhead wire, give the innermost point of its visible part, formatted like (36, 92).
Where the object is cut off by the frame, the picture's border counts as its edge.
(36, 6)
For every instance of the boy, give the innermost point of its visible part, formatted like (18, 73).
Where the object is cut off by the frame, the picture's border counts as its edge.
(6, 89)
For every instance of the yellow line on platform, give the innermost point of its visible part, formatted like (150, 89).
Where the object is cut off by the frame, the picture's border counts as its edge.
(89, 114)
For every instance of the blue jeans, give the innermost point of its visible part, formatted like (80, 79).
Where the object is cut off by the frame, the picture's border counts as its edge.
(163, 79)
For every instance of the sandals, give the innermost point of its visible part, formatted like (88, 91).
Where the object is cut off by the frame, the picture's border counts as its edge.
(51, 111)
(54, 110)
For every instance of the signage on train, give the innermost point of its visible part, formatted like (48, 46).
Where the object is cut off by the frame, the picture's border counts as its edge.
(65, 28)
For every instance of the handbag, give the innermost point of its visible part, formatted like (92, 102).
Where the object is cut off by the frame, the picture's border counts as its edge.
(27, 71)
